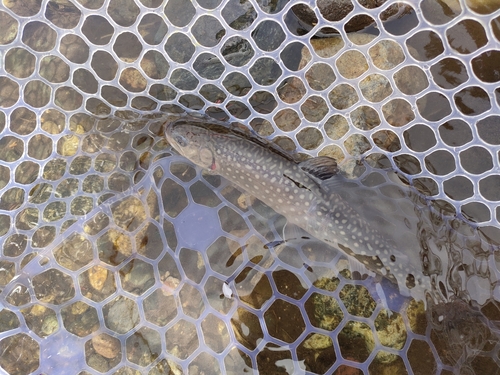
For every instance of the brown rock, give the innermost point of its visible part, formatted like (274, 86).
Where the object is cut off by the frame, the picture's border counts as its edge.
(106, 346)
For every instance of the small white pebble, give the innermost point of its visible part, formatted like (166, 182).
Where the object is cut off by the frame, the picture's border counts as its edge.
(228, 293)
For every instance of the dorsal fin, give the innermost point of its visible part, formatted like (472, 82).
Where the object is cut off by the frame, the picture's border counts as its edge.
(321, 168)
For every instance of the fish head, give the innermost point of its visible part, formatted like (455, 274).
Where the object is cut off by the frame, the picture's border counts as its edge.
(194, 142)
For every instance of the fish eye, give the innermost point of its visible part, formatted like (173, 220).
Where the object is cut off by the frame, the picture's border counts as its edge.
(181, 141)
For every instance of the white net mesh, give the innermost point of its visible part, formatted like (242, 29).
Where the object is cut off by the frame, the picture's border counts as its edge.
(134, 244)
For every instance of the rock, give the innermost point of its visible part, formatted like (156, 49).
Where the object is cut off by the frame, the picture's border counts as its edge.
(391, 332)
(129, 213)
(50, 325)
(318, 342)
(97, 277)
(122, 315)
(336, 10)
(68, 146)
(106, 346)
(483, 6)
(375, 88)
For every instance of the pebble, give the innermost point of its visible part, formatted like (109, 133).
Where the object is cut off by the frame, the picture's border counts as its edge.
(106, 346)
(97, 277)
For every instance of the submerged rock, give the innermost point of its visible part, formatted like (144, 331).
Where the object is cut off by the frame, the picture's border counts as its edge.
(336, 10)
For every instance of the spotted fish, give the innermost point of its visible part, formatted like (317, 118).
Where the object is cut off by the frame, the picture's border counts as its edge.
(312, 195)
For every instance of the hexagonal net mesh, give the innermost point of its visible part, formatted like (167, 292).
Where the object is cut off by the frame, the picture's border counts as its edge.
(119, 256)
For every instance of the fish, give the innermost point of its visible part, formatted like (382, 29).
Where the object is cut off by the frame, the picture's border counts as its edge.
(312, 195)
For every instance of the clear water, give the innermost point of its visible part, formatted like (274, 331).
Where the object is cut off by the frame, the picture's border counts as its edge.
(133, 244)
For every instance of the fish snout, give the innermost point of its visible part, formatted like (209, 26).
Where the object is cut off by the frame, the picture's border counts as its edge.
(176, 137)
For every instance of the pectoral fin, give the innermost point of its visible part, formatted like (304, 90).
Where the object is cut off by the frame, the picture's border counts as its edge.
(324, 171)
(321, 168)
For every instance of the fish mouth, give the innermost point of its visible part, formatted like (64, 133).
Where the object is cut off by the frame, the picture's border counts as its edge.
(171, 129)
(169, 133)
(174, 137)
(169, 126)
(184, 132)
(167, 129)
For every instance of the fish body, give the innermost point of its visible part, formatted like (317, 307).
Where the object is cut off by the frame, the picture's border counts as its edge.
(311, 195)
